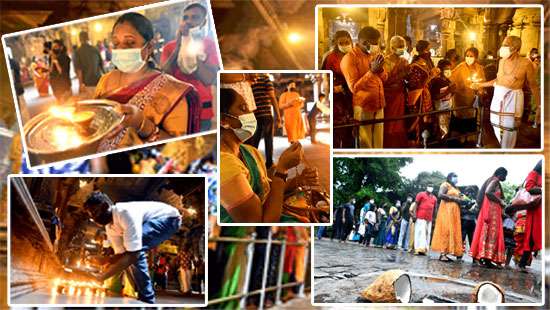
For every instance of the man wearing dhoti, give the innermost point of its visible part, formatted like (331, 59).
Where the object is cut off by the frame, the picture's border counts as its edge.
(507, 103)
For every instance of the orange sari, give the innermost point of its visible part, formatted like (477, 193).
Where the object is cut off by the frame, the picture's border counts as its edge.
(447, 237)
(294, 124)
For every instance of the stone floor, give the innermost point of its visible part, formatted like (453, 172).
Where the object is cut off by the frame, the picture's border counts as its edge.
(343, 270)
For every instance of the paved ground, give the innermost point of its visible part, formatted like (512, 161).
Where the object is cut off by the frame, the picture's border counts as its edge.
(343, 270)
(44, 297)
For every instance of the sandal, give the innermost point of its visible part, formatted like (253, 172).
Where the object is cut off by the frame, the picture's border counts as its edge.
(445, 258)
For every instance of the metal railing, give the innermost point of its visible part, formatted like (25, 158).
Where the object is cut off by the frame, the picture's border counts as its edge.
(355, 124)
(245, 293)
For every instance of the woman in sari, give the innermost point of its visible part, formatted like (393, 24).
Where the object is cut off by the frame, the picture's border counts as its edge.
(342, 109)
(392, 228)
(462, 77)
(248, 193)
(447, 237)
(488, 246)
(421, 72)
(40, 77)
(532, 236)
(395, 135)
(156, 105)
(291, 103)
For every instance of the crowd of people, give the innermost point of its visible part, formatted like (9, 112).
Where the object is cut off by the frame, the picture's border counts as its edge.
(253, 189)
(498, 228)
(371, 84)
(164, 91)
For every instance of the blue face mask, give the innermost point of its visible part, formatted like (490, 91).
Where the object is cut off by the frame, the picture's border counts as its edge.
(128, 60)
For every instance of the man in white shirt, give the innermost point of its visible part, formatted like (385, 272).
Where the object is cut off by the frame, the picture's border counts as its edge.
(132, 228)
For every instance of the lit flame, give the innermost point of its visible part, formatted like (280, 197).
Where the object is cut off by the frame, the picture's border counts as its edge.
(62, 112)
(66, 137)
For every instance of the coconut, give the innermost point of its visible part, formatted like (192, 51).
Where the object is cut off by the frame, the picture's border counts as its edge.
(393, 286)
(488, 293)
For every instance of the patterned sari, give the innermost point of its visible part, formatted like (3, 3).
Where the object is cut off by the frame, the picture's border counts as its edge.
(171, 105)
(488, 241)
(257, 178)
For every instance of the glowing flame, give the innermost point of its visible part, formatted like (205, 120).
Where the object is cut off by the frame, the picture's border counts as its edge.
(66, 137)
(62, 112)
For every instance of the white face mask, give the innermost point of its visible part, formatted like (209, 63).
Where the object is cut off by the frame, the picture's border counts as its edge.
(399, 51)
(454, 180)
(128, 60)
(429, 189)
(371, 201)
(198, 32)
(344, 48)
(505, 52)
(248, 126)
(447, 73)
(489, 57)
(409, 199)
(470, 60)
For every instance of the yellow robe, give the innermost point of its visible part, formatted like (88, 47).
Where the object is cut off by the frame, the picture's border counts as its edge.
(292, 115)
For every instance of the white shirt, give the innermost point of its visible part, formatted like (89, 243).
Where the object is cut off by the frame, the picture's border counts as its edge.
(125, 231)
(371, 217)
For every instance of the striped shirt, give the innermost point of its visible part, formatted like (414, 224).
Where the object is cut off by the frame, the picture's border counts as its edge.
(262, 87)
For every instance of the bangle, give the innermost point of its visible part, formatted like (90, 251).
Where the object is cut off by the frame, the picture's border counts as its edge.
(142, 124)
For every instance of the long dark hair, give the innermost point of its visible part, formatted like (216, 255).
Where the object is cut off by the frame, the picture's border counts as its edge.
(143, 26)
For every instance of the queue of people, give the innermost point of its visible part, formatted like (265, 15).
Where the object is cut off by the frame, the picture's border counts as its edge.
(498, 228)
(371, 84)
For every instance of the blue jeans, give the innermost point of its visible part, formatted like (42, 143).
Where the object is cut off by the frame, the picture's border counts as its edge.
(320, 232)
(155, 231)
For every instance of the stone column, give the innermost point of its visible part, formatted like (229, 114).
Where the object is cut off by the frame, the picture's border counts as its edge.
(448, 27)
(489, 32)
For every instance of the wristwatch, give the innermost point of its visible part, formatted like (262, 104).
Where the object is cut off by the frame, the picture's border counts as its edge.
(281, 175)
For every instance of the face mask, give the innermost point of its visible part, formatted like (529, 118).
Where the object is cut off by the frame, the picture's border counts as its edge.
(399, 51)
(371, 201)
(128, 60)
(409, 199)
(248, 126)
(490, 57)
(198, 32)
(292, 89)
(447, 73)
(454, 180)
(430, 189)
(504, 52)
(470, 61)
(363, 47)
(344, 48)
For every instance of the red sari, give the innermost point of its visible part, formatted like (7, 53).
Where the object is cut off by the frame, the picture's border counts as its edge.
(488, 240)
(532, 240)
(395, 135)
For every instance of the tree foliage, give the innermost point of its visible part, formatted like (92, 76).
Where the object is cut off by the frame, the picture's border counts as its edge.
(364, 178)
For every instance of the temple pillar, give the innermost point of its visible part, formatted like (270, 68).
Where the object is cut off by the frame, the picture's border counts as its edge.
(448, 27)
